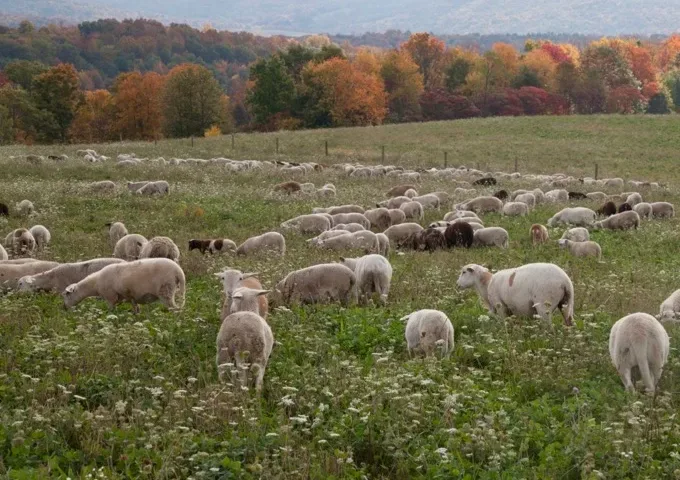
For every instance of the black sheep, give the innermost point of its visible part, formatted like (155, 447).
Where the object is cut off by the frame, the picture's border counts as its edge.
(459, 234)
(501, 194)
(201, 245)
(4, 210)
(577, 196)
(624, 207)
(485, 181)
(607, 210)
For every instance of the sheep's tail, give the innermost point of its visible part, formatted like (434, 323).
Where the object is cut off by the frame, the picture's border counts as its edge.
(639, 350)
(181, 290)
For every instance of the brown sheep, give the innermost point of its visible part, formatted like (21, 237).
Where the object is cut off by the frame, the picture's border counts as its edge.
(288, 187)
(399, 190)
(607, 210)
(459, 234)
(201, 245)
(429, 240)
(577, 196)
(501, 194)
(539, 234)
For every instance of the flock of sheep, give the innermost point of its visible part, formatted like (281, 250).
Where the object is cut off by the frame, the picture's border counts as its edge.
(142, 271)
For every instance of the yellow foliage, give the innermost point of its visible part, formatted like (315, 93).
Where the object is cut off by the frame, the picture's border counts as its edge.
(214, 131)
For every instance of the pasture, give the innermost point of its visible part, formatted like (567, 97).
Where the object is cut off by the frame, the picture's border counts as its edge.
(89, 393)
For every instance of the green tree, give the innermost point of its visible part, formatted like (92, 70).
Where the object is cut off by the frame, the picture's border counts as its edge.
(658, 104)
(6, 126)
(21, 112)
(22, 72)
(526, 77)
(192, 101)
(273, 90)
(672, 82)
(456, 73)
(56, 94)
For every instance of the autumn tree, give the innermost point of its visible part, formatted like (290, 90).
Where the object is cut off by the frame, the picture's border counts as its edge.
(94, 118)
(428, 53)
(609, 65)
(671, 81)
(21, 112)
(56, 94)
(191, 101)
(456, 73)
(272, 88)
(509, 62)
(641, 64)
(138, 100)
(403, 84)
(542, 64)
(440, 104)
(668, 56)
(625, 99)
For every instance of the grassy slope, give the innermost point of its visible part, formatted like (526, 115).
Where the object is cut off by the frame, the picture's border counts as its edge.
(518, 397)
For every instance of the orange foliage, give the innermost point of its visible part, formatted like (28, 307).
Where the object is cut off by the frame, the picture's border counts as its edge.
(92, 122)
(542, 63)
(429, 53)
(669, 53)
(508, 57)
(138, 101)
(641, 64)
(367, 62)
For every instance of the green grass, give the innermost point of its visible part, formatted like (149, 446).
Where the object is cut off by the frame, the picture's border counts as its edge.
(116, 395)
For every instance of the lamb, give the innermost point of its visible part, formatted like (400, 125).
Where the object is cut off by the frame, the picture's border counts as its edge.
(287, 187)
(578, 234)
(245, 340)
(58, 278)
(582, 249)
(535, 288)
(397, 216)
(353, 217)
(399, 190)
(429, 240)
(398, 233)
(429, 201)
(10, 273)
(428, 331)
(4, 256)
(135, 186)
(383, 243)
(411, 193)
(117, 231)
(491, 237)
(515, 209)
(270, 241)
(528, 198)
(160, 247)
(379, 217)
(232, 280)
(578, 216)
(481, 205)
(41, 235)
(365, 239)
(141, 281)
(639, 340)
(373, 275)
(25, 208)
(413, 210)
(459, 234)
(314, 223)
(129, 247)
(348, 227)
(539, 234)
(338, 210)
(663, 210)
(557, 196)
(20, 242)
(670, 308)
(318, 284)
(152, 188)
(212, 246)
(607, 210)
(104, 186)
(633, 199)
(643, 209)
(620, 221)
(624, 207)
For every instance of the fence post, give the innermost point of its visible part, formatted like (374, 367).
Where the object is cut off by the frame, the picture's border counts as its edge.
(192, 140)
(596, 168)
(232, 141)
(516, 169)
(155, 142)
(383, 154)
(277, 145)
(326, 147)
(446, 159)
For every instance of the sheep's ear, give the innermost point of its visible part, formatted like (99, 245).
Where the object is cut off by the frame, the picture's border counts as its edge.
(263, 292)
(30, 280)
(249, 274)
(342, 259)
(237, 295)
(70, 289)
(219, 275)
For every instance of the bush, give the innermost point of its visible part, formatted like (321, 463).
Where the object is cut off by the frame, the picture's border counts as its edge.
(439, 104)
(659, 104)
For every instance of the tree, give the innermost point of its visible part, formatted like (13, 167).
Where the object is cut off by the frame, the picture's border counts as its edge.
(403, 84)
(441, 104)
(671, 82)
(626, 99)
(589, 94)
(191, 101)
(138, 101)
(526, 78)
(509, 60)
(428, 53)
(658, 104)
(367, 62)
(22, 72)
(609, 65)
(22, 113)
(456, 73)
(556, 52)
(6, 126)
(669, 53)
(94, 118)
(487, 76)
(56, 93)
(542, 64)
(641, 64)
(272, 91)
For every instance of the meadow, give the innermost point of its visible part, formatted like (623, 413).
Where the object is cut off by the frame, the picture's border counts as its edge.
(90, 393)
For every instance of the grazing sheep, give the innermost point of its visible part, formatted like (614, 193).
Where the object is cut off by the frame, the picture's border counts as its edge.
(270, 241)
(515, 209)
(287, 187)
(322, 283)
(491, 237)
(481, 205)
(245, 340)
(620, 221)
(486, 181)
(582, 249)
(10, 273)
(395, 202)
(501, 194)
(384, 244)
(459, 234)
(624, 207)
(348, 227)
(428, 331)
(538, 195)
(104, 186)
(58, 278)
(20, 242)
(160, 247)
(613, 183)
(314, 223)
(596, 196)
(352, 217)
(429, 201)
(212, 246)
(379, 217)
(557, 196)
(411, 193)
(135, 186)
(41, 235)
(639, 340)
(579, 216)
(517, 193)
(633, 199)
(670, 308)
(413, 210)
(4, 256)
(129, 247)
(373, 275)
(364, 239)
(643, 209)
(607, 210)
(141, 281)
(528, 198)
(535, 288)
(338, 210)
(233, 279)
(398, 233)
(25, 208)
(325, 235)
(462, 214)
(577, 196)
(399, 190)
(539, 234)
(117, 231)
(663, 210)
(578, 234)
(429, 240)
(397, 216)
(444, 197)
(4, 210)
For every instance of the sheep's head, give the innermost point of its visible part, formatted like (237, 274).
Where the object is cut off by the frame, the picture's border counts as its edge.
(70, 296)
(231, 279)
(350, 263)
(245, 299)
(469, 275)
(597, 226)
(26, 284)
(563, 242)
(667, 316)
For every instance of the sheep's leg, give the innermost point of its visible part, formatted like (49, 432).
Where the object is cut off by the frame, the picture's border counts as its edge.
(259, 378)
(625, 374)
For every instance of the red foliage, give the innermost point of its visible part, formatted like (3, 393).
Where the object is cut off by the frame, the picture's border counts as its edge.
(625, 99)
(3, 79)
(556, 53)
(537, 101)
(650, 89)
(503, 103)
(440, 104)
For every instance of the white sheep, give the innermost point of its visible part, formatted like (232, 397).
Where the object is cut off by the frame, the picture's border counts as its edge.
(141, 281)
(410, 193)
(4, 256)
(270, 242)
(413, 210)
(339, 209)
(643, 209)
(245, 299)
(613, 183)
(535, 288)
(41, 235)
(349, 227)
(579, 216)
(10, 273)
(429, 201)
(395, 202)
(462, 214)
(398, 233)
(528, 198)
(490, 237)
(20, 242)
(160, 247)
(557, 196)
(578, 234)
(326, 235)
(669, 309)
(233, 279)
(61, 276)
(315, 223)
(481, 205)
(104, 186)
(428, 331)
(620, 221)
(352, 217)
(25, 208)
(135, 186)
(379, 217)
(515, 209)
(633, 199)
(373, 275)
(117, 230)
(663, 210)
(318, 284)
(384, 244)
(129, 247)
(639, 340)
(364, 239)
(397, 216)
(154, 188)
(597, 196)
(582, 249)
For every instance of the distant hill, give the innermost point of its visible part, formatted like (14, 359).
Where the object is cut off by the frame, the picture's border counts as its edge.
(601, 17)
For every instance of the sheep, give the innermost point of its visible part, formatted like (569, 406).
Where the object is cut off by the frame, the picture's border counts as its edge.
(129, 247)
(413, 210)
(501, 194)
(287, 187)
(4, 210)
(643, 209)
(596, 196)
(444, 197)
(152, 188)
(557, 196)
(582, 249)
(141, 281)
(411, 193)
(10, 273)
(578, 216)
(462, 214)
(577, 196)
(539, 234)
(528, 198)
(379, 217)
(491, 237)
(4, 256)
(325, 235)
(58, 278)
(318, 284)
(25, 208)
(41, 235)
(135, 186)
(352, 217)
(517, 193)
(326, 192)
(613, 183)
(670, 308)
(117, 230)
(578, 234)
(607, 210)
(620, 221)
(20, 242)
(481, 205)
(459, 234)
(398, 233)
(429, 240)
(233, 279)
(373, 275)
(212, 246)
(429, 201)
(397, 216)
(383, 243)
(486, 181)
(348, 227)
(639, 340)
(428, 331)
(365, 239)
(338, 210)
(160, 247)
(633, 199)
(395, 202)
(314, 223)
(624, 207)
(399, 190)
(515, 209)
(663, 210)
(104, 186)
(535, 288)
(270, 241)
(245, 340)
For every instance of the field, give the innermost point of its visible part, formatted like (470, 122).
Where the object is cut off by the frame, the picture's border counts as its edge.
(89, 393)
